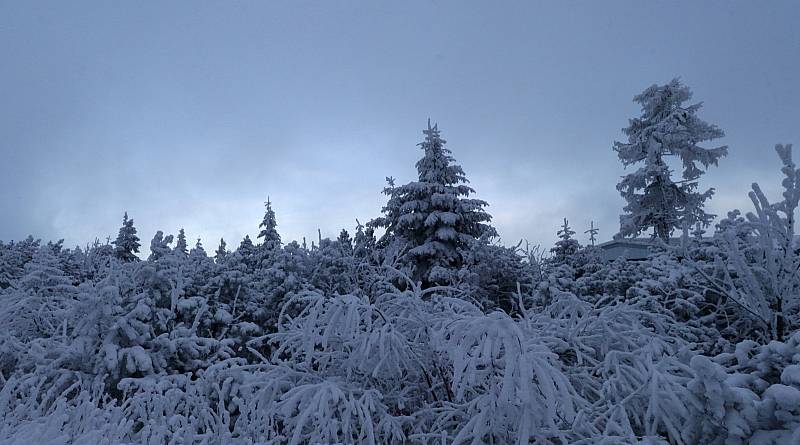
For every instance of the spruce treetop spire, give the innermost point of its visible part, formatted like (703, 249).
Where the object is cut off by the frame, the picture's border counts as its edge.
(127, 243)
(268, 228)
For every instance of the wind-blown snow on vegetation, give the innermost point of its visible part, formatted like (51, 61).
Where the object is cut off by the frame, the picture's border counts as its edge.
(431, 334)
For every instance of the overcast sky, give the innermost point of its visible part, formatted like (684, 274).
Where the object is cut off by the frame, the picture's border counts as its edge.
(189, 114)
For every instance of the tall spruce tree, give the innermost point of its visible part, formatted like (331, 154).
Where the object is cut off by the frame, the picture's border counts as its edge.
(126, 246)
(268, 227)
(433, 216)
(667, 127)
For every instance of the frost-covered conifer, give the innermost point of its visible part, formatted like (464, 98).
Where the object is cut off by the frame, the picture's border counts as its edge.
(198, 270)
(364, 240)
(345, 242)
(127, 243)
(159, 246)
(23, 251)
(221, 252)
(198, 249)
(433, 216)
(180, 245)
(566, 246)
(5, 267)
(41, 299)
(246, 247)
(268, 226)
(73, 262)
(667, 127)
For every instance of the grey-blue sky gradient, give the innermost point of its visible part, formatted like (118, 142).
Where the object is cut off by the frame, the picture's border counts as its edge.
(191, 114)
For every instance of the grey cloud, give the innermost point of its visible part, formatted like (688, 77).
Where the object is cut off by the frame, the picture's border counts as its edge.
(189, 115)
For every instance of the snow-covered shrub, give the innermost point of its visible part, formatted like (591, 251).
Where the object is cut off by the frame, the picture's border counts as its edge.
(750, 396)
(756, 268)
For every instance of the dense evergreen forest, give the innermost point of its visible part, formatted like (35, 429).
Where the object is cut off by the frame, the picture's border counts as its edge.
(419, 327)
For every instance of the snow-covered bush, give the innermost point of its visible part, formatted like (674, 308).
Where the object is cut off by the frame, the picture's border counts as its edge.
(756, 267)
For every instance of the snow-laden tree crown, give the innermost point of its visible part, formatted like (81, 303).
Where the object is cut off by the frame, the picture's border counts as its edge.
(667, 128)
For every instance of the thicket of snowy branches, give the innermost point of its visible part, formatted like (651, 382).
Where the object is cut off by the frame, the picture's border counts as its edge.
(431, 334)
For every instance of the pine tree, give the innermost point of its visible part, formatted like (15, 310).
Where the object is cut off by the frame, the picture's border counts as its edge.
(566, 246)
(127, 243)
(221, 251)
(6, 277)
(47, 291)
(246, 247)
(364, 240)
(268, 226)
(666, 127)
(180, 245)
(198, 249)
(345, 242)
(434, 216)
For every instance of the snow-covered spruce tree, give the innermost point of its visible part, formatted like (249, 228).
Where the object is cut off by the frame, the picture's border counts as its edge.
(199, 270)
(126, 246)
(363, 241)
(20, 252)
(433, 216)
(221, 252)
(97, 260)
(264, 255)
(5, 267)
(180, 244)
(254, 277)
(272, 239)
(493, 274)
(198, 249)
(246, 247)
(332, 267)
(666, 127)
(41, 297)
(345, 242)
(566, 246)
